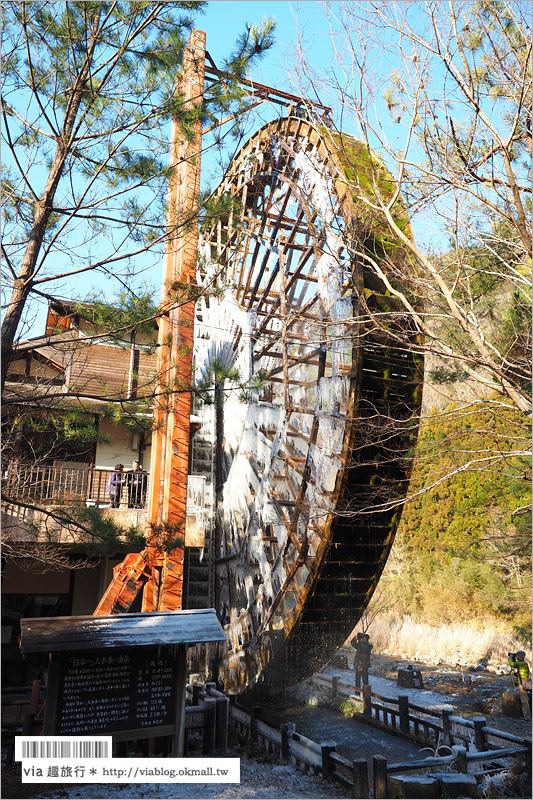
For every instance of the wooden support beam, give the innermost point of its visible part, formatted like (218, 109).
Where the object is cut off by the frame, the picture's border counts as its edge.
(170, 438)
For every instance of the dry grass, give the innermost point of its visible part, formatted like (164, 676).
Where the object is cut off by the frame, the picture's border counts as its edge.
(464, 644)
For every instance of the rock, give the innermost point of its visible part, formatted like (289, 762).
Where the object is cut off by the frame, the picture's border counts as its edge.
(511, 706)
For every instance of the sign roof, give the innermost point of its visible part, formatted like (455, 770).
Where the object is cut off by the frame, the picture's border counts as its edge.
(56, 634)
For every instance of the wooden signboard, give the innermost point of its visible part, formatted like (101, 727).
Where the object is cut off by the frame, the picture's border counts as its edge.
(123, 690)
(122, 674)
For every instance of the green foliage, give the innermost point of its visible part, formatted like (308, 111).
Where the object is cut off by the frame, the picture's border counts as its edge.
(448, 375)
(464, 543)
(106, 535)
(167, 537)
(213, 383)
(128, 312)
(218, 207)
(136, 415)
(87, 90)
(350, 709)
(254, 385)
(214, 380)
(251, 44)
(68, 432)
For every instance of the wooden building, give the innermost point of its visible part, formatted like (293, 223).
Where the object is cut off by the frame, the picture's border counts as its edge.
(107, 381)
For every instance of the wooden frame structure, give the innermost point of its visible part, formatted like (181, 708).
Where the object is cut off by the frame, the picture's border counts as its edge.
(315, 378)
(312, 462)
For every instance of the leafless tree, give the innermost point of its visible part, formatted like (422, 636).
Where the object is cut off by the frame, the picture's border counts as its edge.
(441, 93)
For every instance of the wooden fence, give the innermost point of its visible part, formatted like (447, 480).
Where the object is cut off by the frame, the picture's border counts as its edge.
(206, 719)
(474, 748)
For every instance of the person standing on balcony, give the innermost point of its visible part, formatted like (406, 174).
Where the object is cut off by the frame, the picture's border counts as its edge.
(137, 485)
(114, 485)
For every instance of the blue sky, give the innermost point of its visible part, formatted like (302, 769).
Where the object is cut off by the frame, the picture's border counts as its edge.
(223, 21)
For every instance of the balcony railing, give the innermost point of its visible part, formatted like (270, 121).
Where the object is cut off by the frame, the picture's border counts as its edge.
(45, 485)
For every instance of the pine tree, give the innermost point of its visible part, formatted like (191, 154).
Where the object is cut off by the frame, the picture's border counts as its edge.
(88, 90)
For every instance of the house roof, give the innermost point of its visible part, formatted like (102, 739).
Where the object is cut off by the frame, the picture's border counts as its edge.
(62, 634)
(97, 371)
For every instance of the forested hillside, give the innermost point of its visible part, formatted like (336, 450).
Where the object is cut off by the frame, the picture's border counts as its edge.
(463, 548)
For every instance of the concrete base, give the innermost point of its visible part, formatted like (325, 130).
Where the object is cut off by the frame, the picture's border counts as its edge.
(415, 787)
(456, 784)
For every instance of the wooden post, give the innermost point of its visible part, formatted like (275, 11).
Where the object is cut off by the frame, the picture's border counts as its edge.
(327, 748)
(403, 705)
(35, 693)
(222, 717)
(367, 701)
(171, 430)
(360, 778)
(334, 686)
(380, 776)
(197, 689)
(286, 728)
(52, 689)
(447, 726)
(210, 685)
(254, 713)
(461, 764)
(27, 725)
(210, 705)
(180, 684)
(479, 738)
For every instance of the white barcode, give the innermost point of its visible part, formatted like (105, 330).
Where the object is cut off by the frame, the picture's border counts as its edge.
(62, 747)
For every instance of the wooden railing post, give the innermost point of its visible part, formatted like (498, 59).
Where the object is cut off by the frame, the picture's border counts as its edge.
(253, 723)
(367, 701)
(479, 737)
(403, 707)
(527, 759)
(27, 725)
(197, 689)
(287, 728)
(327, 748)
(461, 764)
(222, 718)
(334, 686)
(210, 705)
(360, 778)
(35, 694)
(447, 726)
(380, 776)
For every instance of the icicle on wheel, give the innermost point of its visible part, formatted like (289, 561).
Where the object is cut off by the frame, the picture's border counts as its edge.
(319, 438)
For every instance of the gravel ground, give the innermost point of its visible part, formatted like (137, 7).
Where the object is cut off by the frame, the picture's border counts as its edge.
(259, 779)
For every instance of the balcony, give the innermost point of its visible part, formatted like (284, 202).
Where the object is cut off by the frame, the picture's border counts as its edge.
(65, 486)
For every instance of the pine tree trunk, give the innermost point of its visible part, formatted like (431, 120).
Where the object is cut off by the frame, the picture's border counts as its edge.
(23, 283)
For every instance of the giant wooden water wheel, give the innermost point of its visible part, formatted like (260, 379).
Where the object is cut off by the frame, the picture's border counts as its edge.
(317, 386)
